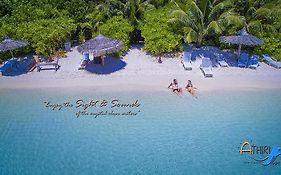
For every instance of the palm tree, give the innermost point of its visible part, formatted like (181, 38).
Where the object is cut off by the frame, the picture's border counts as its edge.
(135, 10)
(199, 19)
(260, 15)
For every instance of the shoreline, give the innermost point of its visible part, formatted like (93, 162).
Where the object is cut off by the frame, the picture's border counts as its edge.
(109, 86)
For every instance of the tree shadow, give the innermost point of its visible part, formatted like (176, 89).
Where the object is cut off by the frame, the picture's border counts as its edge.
(111, 65)
(210, 52)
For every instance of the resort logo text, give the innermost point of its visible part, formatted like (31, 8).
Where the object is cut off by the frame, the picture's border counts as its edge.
(260, 154)
(97, 108)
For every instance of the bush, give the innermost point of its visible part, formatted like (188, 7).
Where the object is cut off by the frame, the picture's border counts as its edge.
(118, 28)
(45, 36)
(157, 33)
(42, 24)
(272, 45)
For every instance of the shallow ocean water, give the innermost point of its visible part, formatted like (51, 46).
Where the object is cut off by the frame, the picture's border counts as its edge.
(169, 134)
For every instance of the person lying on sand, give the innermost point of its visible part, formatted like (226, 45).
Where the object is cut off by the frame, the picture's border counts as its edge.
(189, 87)
(174, 86)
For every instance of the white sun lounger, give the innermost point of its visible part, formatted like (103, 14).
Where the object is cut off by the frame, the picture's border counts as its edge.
(206, 67)
(186, 61)
(220, 59)
(271, 61)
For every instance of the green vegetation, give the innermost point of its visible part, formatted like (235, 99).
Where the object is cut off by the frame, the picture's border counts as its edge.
(272, 45)
(119, 28)
(45, 27)
(205, 18)
(157, 33)
(164, 25)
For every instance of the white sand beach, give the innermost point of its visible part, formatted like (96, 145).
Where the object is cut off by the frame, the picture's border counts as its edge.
(142, 72)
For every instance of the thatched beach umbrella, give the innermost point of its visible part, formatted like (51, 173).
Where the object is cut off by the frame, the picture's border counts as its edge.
(9, 44)
(242, 38)
(101, 46)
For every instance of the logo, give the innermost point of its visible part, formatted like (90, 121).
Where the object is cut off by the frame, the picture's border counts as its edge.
(269, 154)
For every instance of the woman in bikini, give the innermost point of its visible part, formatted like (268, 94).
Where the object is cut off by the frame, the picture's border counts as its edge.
(174, 86)
(189, 87)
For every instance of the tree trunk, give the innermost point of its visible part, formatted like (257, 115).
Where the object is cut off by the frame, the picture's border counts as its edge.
(200, 41)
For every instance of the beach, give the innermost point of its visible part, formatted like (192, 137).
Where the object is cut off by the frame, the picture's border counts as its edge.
(143, 72)
(140, 87)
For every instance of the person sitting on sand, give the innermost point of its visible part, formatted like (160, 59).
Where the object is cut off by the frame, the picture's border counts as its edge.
(174, 86)
(189, 87)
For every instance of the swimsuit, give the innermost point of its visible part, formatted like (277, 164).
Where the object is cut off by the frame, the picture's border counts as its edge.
(175, 87)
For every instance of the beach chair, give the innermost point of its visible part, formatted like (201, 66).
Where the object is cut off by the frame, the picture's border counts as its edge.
(221, 60)
(186, 61)
(84, 61)
(243, 60)
(47, 65)
(8, 65)
(206, 67)
(271, 61)
(254, 62)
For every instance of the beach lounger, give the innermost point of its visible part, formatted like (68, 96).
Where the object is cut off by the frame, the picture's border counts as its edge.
(8, 65)
(254, 62)
(84, 61)
(206, 67)
(221, 60)
(186, 61)
(83, 64)
(243, 60)
(271, 61)
(53, 65)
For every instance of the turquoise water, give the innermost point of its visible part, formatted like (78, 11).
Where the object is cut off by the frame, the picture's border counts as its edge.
(169, 134)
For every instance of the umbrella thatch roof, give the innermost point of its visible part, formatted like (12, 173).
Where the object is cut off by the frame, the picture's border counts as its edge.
(101, 45)
(242, 37)
(9, 44)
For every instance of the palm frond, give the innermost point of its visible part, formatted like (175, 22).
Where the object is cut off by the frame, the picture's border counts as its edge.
(233, 20)
(195, 13)
(229, 12)
(191, 36)
(179, 16)
(213, 28)
(255, 27)
(251, 12)
(204, 6)
(218, 9)
(85, 25)
(263, 13)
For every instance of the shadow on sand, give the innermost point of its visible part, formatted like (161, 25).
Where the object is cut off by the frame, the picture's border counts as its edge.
(111, 65)
(210, 51)
(21, 67)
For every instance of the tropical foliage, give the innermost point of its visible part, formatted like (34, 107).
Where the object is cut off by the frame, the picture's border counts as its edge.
(46, 28)
(164, 25)
(119, 28)
(260, 15)
(157, 33)
(272, 45)
(205, 18)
